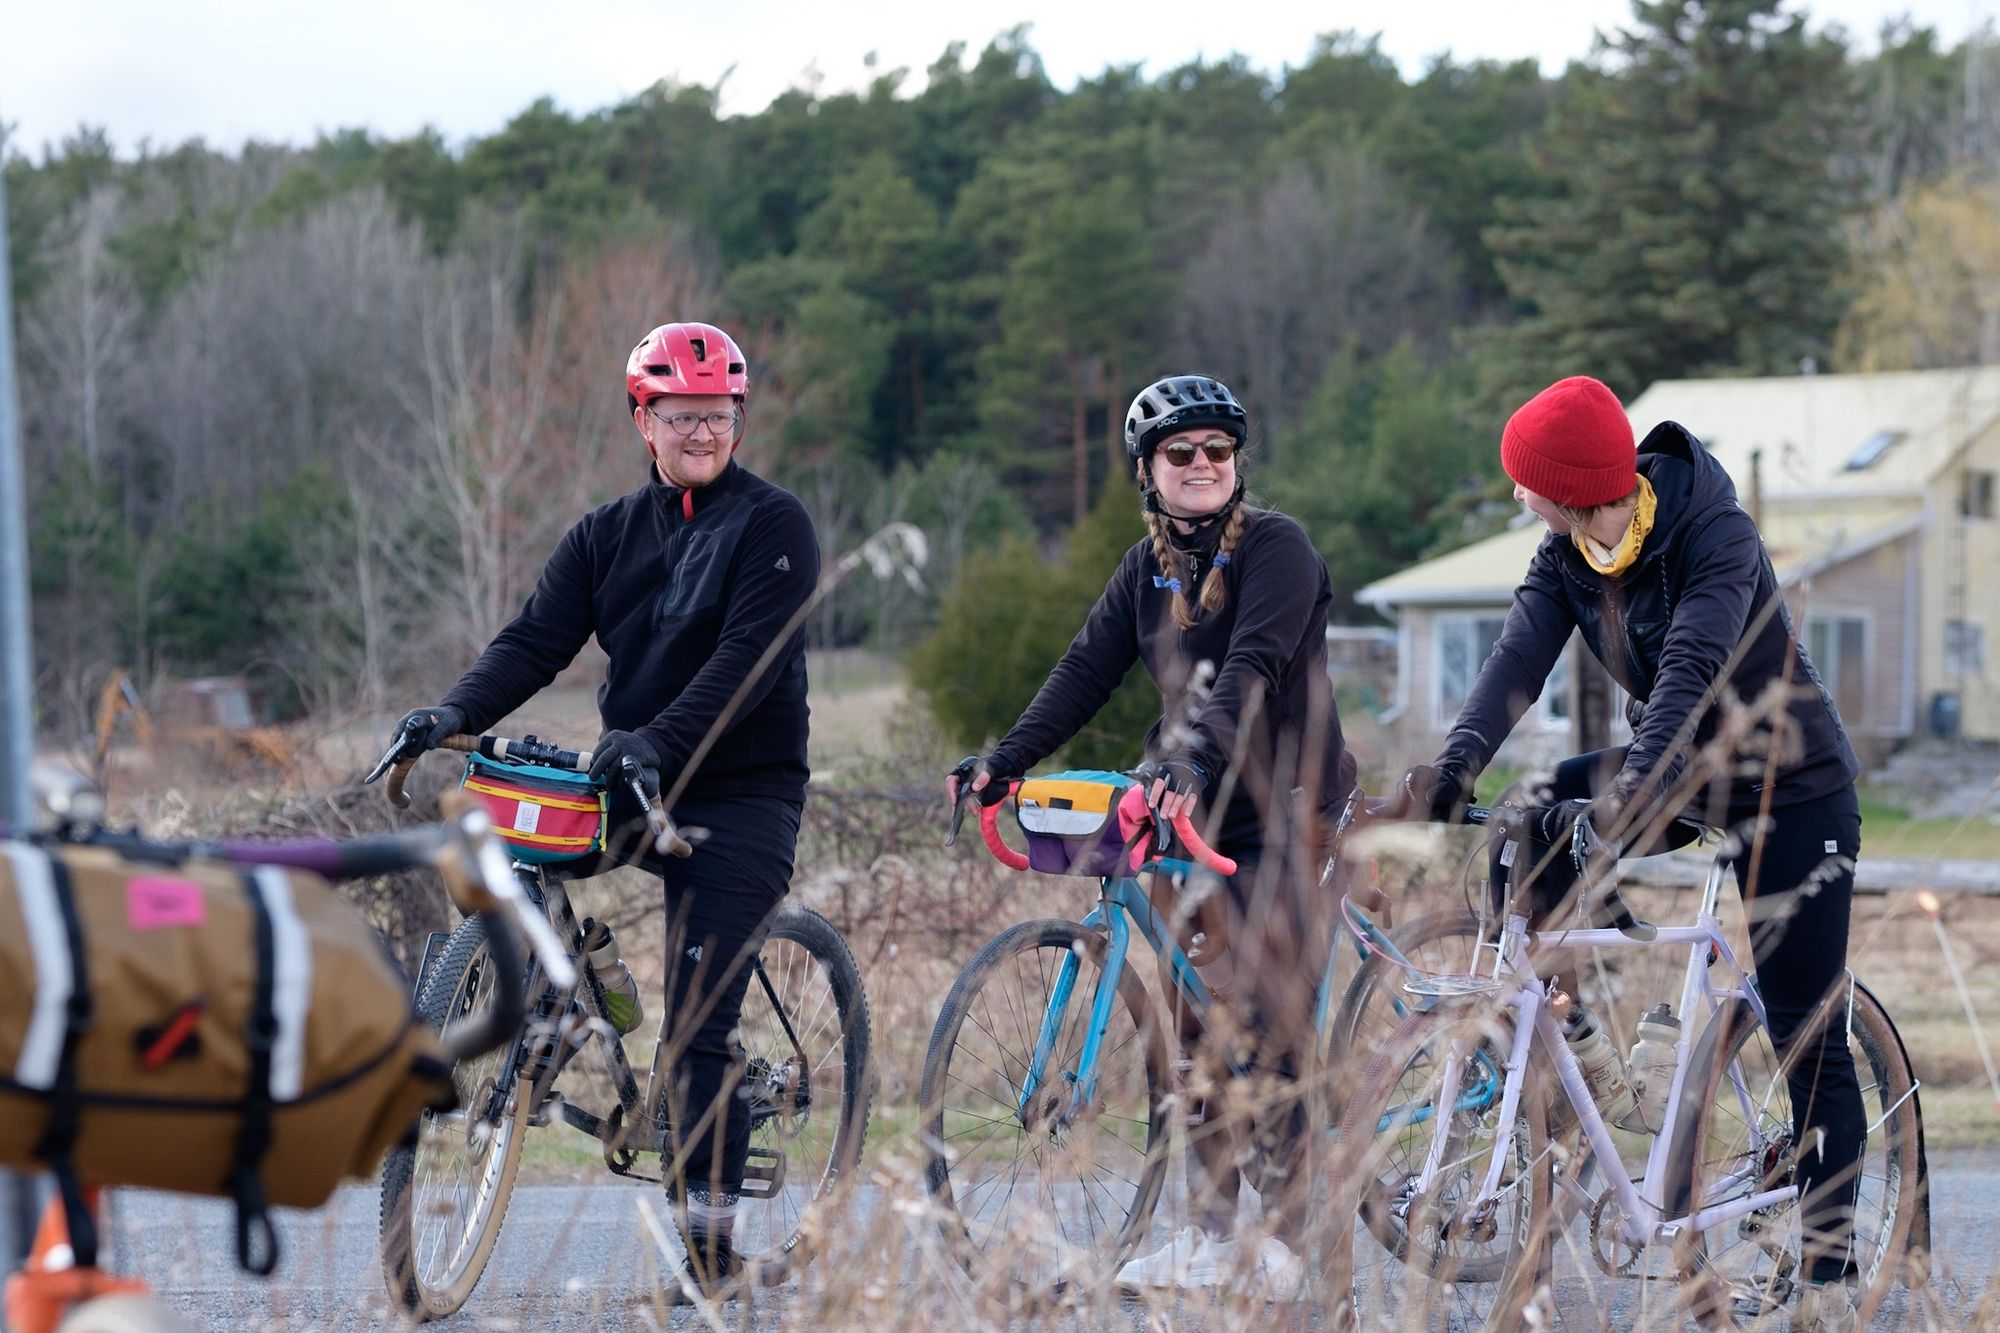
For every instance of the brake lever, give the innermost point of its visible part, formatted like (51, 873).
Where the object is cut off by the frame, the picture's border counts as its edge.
(1163, 832)
(394, 755)
(957, 817)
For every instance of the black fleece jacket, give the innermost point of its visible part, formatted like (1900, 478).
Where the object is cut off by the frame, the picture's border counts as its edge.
(1270, 697)
(1698, 614)
(684, 606)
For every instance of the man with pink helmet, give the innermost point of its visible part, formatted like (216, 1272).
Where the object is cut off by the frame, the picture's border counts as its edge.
(685, 582)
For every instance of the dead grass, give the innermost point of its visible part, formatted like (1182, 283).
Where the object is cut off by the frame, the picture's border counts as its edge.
(914, 914)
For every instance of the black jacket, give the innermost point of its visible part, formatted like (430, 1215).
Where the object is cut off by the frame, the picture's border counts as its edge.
(1700, 610)
(683, 607)
(1270, 695)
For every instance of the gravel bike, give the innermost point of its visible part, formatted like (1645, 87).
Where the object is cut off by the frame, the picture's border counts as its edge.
(1052, 1072)
(804, 1036)
(1481, 1196)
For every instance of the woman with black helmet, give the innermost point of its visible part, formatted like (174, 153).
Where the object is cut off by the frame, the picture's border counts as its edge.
(1226, 606)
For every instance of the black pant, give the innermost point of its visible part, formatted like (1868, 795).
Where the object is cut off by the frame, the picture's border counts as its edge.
(1797, 881)
(719, 906)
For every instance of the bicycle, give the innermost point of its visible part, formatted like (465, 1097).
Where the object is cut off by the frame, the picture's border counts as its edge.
(1088, 1089)
(804, 1034)
(1483, 1197)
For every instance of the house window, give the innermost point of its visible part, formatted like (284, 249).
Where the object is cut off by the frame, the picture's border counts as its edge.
(1975, 499)
(1871, 450)
(1964, 648)
(1838, 646)
(1463, 644)
(1554, 707)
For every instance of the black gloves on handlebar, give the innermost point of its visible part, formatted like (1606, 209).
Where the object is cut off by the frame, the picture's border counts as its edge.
(970, 767)
(613, 748)
(1438, 794)
(1555, 825)
(1180, 775)
(438, 721)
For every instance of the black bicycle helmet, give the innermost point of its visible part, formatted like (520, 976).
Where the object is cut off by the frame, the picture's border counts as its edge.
(1177, 403)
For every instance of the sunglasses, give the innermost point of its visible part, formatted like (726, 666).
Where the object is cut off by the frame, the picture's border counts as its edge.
(1181, 453)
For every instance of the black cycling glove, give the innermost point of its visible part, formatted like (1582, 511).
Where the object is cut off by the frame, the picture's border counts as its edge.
(970, 767)
(1438, 794)
(1181, 775)
(438, 721)
(613, 748)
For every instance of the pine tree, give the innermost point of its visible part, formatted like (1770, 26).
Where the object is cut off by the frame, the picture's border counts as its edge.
(1696, 229)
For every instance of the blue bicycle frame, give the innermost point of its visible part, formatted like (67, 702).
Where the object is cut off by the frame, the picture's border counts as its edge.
(1123, 901)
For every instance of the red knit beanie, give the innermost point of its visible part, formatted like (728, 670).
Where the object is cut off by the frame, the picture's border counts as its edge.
(1572, 443)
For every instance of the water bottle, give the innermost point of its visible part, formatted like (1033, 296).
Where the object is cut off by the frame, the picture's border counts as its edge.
(1652, 1065)
(1603, 1068)
(621, 988)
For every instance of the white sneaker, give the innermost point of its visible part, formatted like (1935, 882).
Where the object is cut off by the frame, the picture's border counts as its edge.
(1191, 1260)
(1280, 1275)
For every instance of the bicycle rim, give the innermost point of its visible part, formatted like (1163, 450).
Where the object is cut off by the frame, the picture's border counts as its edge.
(465, 1161)
(1450, 1268)
(805, 1079)
(1749, 1269)
(1041, 1190)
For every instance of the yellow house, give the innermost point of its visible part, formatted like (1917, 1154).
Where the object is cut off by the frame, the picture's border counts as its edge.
(1876, 495)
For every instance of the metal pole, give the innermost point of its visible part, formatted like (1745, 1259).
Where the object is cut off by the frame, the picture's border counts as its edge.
(18, 1194)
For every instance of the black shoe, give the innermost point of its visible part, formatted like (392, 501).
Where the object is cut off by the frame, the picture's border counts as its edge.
(718, 1276)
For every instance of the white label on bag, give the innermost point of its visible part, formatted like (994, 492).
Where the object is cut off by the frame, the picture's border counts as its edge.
(1507, 852)
(527, 817)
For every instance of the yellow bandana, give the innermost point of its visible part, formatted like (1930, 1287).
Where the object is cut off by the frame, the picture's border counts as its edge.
(1609, 561)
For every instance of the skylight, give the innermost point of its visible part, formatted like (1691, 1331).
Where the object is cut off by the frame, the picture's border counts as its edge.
(1872, 449)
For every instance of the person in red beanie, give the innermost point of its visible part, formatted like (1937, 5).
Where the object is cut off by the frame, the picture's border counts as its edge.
(1652, 560)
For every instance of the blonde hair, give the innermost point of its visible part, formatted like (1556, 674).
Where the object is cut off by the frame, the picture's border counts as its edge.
(1214, 594)
(1579, 520)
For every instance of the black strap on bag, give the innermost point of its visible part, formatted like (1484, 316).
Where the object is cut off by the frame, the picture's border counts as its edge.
(256, 1238)
(58, 1142)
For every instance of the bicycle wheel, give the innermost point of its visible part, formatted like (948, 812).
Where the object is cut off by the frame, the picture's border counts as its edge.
(443, 1198)
(1375, 1002)
(1453, 1267)
(805, 1037)
(1038, 1189)
(1734, 1138)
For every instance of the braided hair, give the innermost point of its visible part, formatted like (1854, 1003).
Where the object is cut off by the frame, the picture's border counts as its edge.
(1178, 570)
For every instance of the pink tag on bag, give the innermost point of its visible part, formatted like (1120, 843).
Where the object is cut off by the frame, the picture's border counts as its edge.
(155, 903)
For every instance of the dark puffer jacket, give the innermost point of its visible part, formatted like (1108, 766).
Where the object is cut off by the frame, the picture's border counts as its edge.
(1700, 613)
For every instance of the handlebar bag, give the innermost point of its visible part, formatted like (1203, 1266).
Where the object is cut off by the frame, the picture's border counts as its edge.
(1071, 822)
(544, 815)
(188, 1025)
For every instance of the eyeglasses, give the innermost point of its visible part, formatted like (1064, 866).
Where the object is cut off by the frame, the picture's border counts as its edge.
(683, 423)
(1181, 453)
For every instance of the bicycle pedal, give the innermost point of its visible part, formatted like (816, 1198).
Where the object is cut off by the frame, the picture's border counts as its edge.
(763, 1174)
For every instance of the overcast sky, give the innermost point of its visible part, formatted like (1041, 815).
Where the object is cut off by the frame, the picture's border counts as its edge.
(278, 71)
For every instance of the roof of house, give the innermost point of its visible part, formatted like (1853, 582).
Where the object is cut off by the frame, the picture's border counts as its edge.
(1844, 459)
(1487, 572)
(1830, 435)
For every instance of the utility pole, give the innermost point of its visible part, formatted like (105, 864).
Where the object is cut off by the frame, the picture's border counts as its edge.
(18, 1194)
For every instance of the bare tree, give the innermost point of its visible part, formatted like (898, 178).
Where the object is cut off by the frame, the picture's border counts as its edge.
(81, 328)
(1327, 257)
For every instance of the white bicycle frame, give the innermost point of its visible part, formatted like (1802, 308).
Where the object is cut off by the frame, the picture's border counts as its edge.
(1642, 1218)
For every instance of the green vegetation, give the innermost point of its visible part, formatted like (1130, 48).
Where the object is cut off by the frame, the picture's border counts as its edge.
(330, 406)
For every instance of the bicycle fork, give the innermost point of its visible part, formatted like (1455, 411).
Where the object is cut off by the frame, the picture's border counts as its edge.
(1081, 1082)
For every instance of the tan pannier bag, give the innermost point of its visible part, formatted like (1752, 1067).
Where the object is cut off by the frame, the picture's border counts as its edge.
(199, 1027)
